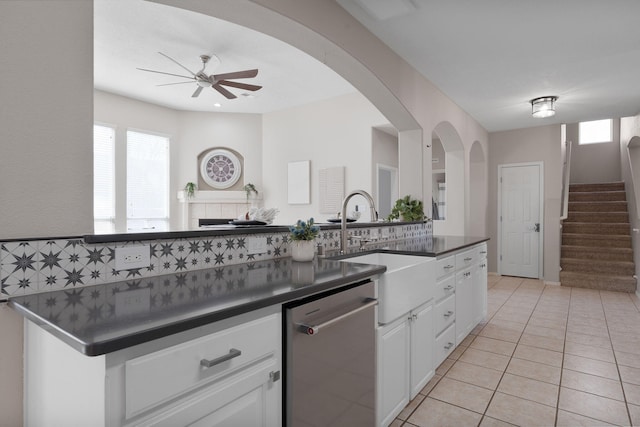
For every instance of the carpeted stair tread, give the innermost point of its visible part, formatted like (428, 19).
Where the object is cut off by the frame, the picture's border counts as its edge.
(618, 268)
(605, 186)
(595, 240)
(615, 206)
(593, 281)
(597, 196)
(598, 217)
(597, 253)
(614, 228)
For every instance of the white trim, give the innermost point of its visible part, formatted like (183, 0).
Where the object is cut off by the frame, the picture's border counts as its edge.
(541, 242)
(395, 193)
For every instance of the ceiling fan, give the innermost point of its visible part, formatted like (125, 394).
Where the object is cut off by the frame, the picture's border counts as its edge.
(215, 81)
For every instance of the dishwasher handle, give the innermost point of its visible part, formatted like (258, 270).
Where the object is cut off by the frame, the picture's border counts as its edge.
(314, 329)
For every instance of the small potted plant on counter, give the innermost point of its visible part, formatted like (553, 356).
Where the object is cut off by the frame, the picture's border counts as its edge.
(407, 209)
(302, 240)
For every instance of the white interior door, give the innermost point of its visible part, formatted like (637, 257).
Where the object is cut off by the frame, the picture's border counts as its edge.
(521, 220)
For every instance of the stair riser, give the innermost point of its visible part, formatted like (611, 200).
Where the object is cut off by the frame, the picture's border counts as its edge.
(611, 186)
(605, 284)
(598, 217)
(598, 268)
(599, 255)
(613, 196)
(596, 243)
(598, 207)
(582, 228)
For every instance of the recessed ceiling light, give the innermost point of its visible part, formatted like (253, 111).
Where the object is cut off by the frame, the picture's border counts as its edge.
(217, 105)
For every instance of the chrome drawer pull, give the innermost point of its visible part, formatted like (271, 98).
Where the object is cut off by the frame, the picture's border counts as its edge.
(448, 267)
(209, 363)
(448, 288)
(448, 346)
(448, 313)
(468, 259)
(483, 252)
(314, 329)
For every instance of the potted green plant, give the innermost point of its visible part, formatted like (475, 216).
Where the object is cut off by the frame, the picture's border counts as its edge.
(302, 240)
(407, 209)
(190, 189)
(249, 189)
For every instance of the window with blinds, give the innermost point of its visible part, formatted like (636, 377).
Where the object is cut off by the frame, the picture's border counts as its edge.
(103, 179)
(147, 181)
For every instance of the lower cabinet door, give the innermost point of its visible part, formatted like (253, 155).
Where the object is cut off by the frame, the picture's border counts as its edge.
(464, 304)
(422, 368)
(393, 369)
(249, 398)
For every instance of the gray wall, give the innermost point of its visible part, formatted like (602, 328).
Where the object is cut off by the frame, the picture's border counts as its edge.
(539, 144)
(593, 163)
(46, 119)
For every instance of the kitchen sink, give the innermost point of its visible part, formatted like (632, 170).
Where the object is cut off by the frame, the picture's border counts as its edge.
(407, 283)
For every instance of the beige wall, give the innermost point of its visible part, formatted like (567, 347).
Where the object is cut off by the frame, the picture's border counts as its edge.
(384, 151)
(592, 163)
(331, 133)
(46, 116)
(539, 144)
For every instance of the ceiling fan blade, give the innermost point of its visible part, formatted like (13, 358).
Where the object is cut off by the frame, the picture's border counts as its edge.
(179, 64)
(168, 74)
(197, 92)
(178, 83)
(223, 91)
(239, 85)
(236, 75)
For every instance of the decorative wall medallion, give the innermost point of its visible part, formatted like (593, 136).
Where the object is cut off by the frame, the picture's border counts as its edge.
(220, 168)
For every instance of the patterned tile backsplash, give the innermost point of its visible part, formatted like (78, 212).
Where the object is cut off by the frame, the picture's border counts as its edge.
(33, 266)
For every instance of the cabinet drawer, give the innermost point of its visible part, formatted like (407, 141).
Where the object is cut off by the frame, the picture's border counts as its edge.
(445, 313)
(166, 374)
(466, 258)
(445, 266)
(445, 287)
(445, 344)
(481, 251)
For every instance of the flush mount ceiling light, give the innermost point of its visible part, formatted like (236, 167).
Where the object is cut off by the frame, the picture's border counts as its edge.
(543, 106)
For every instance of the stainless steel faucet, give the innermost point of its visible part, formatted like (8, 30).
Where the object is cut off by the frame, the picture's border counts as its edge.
(343, 216)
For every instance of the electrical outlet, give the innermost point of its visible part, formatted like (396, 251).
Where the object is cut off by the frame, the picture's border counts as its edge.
(132, 257)
(257, 245)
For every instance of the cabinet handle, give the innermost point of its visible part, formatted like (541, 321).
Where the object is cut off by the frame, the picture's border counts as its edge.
(209, 363)
(274, 376)
(448, 313)
(448, 267)
(468, 259)
(483, 252)
(448, 346)
(448, 288)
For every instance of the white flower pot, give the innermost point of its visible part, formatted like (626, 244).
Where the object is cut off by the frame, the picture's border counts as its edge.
(303, 250)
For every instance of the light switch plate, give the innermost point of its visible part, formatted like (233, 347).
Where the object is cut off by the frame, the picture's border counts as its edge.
(257, 245)
(132, 257)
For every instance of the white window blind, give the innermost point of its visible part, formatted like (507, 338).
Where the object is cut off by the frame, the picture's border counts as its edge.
(147, 181)
(103, 179)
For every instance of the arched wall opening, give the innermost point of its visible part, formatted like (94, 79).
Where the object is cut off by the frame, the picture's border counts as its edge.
(477, 220)
(454, 191)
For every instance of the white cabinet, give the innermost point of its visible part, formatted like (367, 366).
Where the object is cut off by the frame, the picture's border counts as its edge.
(224, 373)
(393, 382)
(422, 368)
(405, 361)
(480, 285)
(464, 303)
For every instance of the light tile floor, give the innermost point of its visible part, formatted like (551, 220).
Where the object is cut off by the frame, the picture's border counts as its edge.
(547, 355)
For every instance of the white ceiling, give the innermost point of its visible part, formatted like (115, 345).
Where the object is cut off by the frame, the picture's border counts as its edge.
(491, 57)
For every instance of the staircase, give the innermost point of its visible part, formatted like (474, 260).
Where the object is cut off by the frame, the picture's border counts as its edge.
(596, 239)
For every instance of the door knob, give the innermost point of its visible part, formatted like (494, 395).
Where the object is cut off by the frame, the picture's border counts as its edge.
(536, 227)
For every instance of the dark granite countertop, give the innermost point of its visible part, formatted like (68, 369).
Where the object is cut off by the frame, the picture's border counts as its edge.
(105, 318)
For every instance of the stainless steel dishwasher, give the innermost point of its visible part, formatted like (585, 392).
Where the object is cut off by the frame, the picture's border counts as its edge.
(330, 359)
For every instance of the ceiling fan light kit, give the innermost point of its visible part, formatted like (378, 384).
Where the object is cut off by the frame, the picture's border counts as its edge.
(215, 81)
(543, 106)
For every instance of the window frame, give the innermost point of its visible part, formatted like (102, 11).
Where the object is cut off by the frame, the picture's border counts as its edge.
(610, 137)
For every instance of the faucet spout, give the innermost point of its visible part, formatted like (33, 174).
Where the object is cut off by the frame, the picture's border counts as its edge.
(343, 215)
